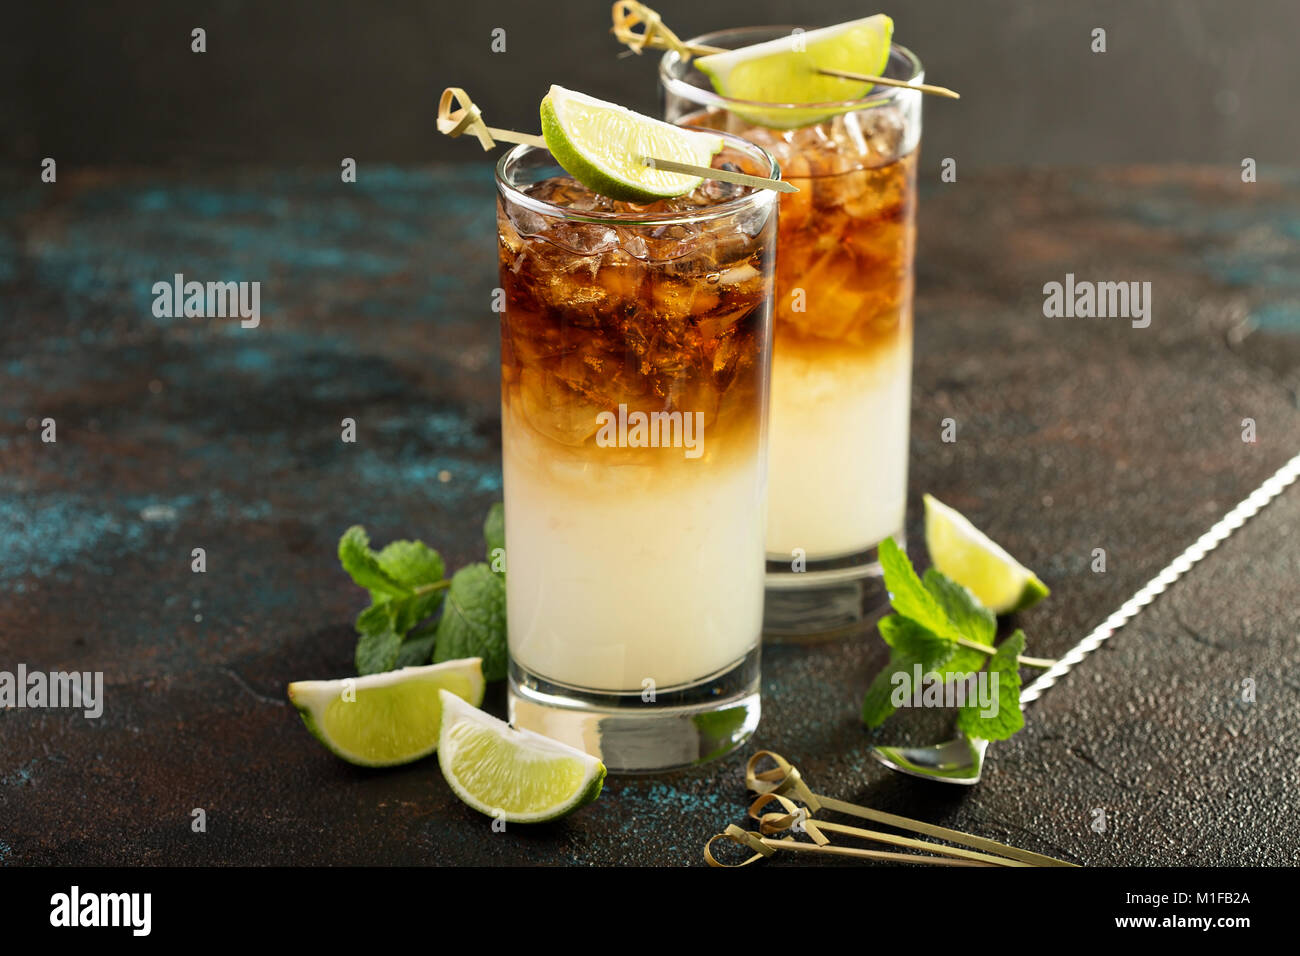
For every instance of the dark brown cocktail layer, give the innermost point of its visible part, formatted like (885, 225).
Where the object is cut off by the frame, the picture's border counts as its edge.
(845, 250)
(606, 320)
(844, 279)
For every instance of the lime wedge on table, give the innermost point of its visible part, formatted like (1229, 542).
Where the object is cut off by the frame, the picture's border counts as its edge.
(517, 774)
(971, 558)
(603, 146)
(385, 719)
(784, 70)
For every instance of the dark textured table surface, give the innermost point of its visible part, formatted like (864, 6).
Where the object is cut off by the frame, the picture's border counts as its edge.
(1073, 434)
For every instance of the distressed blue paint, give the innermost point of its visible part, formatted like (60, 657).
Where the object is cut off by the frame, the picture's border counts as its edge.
(659, 800)
(197, 201)
(8, 259)
(117, 241)
(1244, 235)
(19, 777)
(1278, 317)
(1250, 269)
(41, 534)
(446, 429)
(420, 473)
(44, 534)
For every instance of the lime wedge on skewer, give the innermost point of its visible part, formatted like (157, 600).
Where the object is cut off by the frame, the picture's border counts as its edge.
(971, 558)
(603, 146)
(516, 774)
(382, 720)
(784, 70)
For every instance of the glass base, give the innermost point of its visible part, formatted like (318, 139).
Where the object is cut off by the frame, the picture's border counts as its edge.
(830, 599)
(682, 727)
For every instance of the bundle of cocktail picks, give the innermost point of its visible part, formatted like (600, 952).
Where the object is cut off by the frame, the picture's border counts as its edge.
(785, 787)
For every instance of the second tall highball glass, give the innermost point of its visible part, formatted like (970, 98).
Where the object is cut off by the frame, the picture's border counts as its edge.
(842, 351)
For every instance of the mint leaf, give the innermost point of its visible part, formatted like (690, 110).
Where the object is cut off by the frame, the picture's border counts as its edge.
(963, 609)
(378, 647)
(908, 637)
(890, 625)
(909, 596)
(413, 564)
(363, 565)
(494, 533)
(967, 617)
(1008, 717)
(417, 649)
(877, 704)
(474, 620)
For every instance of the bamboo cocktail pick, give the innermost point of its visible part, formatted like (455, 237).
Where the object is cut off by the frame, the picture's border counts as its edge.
(783, 782)
(467, 118)
(655, 34)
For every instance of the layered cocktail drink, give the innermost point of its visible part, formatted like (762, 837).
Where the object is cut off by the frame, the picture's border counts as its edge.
(635, 356)
(842, 355)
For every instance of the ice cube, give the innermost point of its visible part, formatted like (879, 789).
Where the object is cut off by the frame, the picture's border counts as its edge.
(718, 191)
(556, 409)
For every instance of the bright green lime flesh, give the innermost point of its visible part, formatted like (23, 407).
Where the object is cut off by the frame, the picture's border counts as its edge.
(516, 775)
(785, 70)
(604, 147)
(385, 719)
(971, 558)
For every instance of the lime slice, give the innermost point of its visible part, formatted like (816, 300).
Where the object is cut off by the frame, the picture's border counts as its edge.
(385, 719)
(784, 70)
(515, 774)
(970, 557)
(604, 146)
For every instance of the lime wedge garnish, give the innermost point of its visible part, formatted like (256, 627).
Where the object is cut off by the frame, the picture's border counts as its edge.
(971, 558)
(784, 70)
(604, 146)
(385, 719)
(518, 775)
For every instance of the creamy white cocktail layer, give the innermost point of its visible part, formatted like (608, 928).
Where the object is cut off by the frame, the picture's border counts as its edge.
(837, 479)
(622, 574)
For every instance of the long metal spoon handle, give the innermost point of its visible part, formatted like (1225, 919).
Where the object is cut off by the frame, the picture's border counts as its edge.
(1203, 545)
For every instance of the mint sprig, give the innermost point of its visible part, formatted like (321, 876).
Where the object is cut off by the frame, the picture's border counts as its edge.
(407, 584)
(941, 626)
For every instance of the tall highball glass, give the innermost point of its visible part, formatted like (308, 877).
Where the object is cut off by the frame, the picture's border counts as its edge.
(842, 350)
(635, 360)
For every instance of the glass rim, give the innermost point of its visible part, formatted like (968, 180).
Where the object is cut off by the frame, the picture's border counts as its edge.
(515, 195)
(707, 97)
